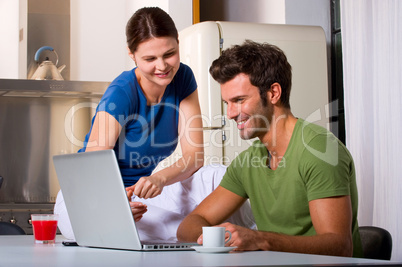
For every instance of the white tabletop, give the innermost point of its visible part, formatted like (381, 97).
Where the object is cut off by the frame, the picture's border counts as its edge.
(21, 251)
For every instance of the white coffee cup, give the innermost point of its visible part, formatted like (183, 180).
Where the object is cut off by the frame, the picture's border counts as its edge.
(213, 237)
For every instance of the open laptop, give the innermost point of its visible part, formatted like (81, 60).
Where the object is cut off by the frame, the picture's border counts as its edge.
(97, 203)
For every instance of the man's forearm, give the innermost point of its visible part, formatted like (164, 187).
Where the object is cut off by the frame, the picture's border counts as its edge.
(191, 228)
(324, 244)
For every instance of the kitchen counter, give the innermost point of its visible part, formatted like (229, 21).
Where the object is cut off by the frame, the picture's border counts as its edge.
(21, 87)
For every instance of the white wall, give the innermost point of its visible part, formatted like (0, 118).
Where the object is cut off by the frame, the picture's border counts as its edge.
(98, 40)
(310, 12)
(181, 12)
(13, 48)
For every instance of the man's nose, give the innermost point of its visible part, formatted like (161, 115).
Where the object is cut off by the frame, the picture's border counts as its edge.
(232, 111)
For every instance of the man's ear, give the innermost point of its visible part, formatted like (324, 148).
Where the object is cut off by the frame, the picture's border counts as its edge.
(275, 93)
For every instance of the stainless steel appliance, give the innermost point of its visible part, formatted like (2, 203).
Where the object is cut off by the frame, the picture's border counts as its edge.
(39, 119)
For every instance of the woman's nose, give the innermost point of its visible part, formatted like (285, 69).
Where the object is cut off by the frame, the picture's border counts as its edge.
(161, 64)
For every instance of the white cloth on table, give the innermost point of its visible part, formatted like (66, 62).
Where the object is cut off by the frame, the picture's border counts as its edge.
(166, 211)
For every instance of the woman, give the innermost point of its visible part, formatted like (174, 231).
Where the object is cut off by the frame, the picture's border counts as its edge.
(145, 111)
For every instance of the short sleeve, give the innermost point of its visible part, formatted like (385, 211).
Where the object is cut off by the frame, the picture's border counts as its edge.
(326, 167)
(121, 97)
(115, 102)
(185, 80)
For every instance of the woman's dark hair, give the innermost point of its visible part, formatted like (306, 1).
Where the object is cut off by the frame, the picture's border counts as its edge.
(264, 63)
(147, 23)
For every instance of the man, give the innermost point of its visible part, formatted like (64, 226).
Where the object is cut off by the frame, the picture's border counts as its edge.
(299, 178)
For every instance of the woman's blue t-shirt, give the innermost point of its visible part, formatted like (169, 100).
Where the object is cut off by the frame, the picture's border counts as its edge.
(149, 133)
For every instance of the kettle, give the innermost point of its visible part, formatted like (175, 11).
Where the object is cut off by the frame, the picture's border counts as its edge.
(47, 70)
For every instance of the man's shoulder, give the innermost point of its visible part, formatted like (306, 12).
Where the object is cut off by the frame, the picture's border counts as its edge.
(309, 128)
(319, 145)
(306, 132)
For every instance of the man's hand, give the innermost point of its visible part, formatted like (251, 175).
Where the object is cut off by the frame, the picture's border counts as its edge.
(242, 238)
(332, 220)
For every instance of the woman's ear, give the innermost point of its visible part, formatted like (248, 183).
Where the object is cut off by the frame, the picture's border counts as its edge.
(275, 93)
(130, 54)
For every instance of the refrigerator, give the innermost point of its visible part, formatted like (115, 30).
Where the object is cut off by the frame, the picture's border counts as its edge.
(305, 48)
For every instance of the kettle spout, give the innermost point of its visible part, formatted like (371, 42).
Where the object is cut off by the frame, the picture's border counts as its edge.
(61, 68)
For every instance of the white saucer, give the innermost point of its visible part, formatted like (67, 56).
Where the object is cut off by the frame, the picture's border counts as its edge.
(202, 249)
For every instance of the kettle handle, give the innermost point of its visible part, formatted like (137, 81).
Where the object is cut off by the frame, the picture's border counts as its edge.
(43, 48)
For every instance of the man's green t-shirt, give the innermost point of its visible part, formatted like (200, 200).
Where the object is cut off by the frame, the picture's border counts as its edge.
(316, 165)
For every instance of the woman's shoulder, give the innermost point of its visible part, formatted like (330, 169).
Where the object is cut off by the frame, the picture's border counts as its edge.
(123, 84)
(124, 79)
(185, 70)
(185, 79)
(184, 66)
(120, 97)
(122, 87)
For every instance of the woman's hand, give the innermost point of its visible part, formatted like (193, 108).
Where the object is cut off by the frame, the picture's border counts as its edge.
(146, 187)
(138, 209)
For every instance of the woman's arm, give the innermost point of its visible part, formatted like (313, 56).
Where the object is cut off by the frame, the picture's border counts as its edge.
(191, 142)
(105, 131)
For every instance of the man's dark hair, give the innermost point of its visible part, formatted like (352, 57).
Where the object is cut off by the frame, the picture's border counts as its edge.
(264, 63)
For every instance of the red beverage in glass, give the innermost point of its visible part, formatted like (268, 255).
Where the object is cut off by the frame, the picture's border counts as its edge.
(44, 230)
(44, 227)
